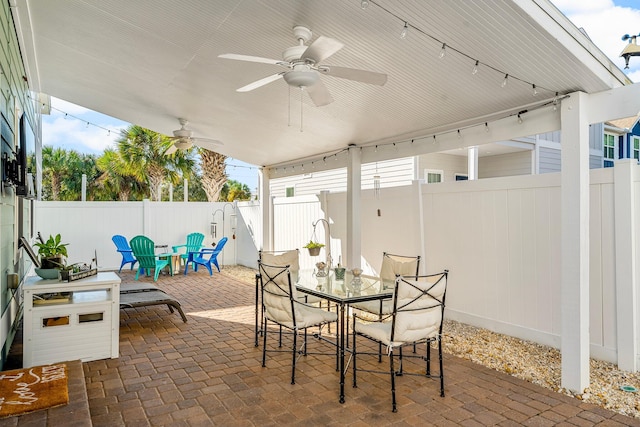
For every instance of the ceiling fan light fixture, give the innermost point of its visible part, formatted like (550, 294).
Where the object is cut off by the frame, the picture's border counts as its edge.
(301, 78)
(183, 144)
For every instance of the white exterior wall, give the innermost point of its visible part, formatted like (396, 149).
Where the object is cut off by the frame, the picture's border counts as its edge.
(448, 163)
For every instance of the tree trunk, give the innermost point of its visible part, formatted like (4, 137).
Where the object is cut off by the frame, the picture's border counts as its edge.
(213, 173)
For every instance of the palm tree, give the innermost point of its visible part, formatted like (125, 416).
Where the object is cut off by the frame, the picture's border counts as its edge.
(143, 151)
(213, 173)
(117, 178)
(54, 170)
(235, 190)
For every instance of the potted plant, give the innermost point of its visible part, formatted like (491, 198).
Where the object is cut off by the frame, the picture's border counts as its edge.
(314, 247)
(52, 252)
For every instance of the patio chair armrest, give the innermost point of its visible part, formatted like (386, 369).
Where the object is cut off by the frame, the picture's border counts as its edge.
(204, 251)
(175, 248)
(125, 250)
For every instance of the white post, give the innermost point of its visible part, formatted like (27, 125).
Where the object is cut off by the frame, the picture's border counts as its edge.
(417, 189)
(266, 210)
(185, 196)
(327, 229)
(574, 192)
(354, 196)
(84, 187)
(626, 279)
(171, 191)
(472, 163)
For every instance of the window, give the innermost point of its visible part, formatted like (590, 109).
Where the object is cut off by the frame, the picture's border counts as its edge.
(635, 147)
(290, 192)
(608, 149)
(609, 146)
(432, 176)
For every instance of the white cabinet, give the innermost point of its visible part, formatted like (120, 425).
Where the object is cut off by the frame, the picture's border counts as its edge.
(71, 320)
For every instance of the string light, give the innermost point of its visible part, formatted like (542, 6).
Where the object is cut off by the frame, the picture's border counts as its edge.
(405, 30)
(555, 102)
(475, 68)
(506, 79)
(459, 134)
(535, 91)
(486, 127)
(443, 51)
(364, 4)
(519, 119)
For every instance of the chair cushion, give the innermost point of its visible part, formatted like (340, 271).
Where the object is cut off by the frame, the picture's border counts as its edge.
(374, 306)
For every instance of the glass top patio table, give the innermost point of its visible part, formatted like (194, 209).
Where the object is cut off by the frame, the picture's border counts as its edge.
(343, 292)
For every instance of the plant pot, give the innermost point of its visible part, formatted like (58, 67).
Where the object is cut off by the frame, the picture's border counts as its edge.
(47, 273)
(51, 262)
(314, 251)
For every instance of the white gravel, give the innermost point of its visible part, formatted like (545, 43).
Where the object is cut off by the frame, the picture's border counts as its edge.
(529, 361)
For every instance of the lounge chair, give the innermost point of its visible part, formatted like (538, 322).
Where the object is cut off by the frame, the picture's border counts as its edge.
(134, 295)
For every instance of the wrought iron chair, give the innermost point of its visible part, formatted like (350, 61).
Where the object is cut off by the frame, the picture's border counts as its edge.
(417, 314)
(144, 251)
(392, 266)
(193, 244)
(290, 258)
(197, 258)
(281, 305)
(123, 247)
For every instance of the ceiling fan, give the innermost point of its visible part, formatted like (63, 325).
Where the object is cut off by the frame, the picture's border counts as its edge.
(304, 66)
(183, 139)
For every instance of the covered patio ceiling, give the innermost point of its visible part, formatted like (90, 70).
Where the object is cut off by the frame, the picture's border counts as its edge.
(150, 62)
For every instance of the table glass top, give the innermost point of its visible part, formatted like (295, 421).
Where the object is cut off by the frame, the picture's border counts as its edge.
(349, 289)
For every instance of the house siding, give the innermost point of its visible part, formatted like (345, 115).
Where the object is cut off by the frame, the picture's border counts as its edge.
(14, 211)
(393, 173)
(511, 164)
(449, 164)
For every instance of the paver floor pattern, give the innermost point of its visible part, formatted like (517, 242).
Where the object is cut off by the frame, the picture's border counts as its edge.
(208, 372)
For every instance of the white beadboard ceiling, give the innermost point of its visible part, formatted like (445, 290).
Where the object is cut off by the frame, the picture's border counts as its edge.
(150, 62)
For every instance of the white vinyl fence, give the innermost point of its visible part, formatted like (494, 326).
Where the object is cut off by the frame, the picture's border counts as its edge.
(499, 238)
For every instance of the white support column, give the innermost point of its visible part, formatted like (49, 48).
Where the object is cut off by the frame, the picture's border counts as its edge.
(185, 197)
(354, 196)
(472, 163)
(417, 190)
(574, 192)
(625, 232)
(266, 210)
(324, 204)
(171, 191)
(83, 185)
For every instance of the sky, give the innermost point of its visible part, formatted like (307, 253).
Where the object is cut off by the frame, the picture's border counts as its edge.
(605, 22)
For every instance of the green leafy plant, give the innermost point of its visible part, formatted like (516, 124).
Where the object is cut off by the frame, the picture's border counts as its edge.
(52, 247)
(312, 245)
(52, 253)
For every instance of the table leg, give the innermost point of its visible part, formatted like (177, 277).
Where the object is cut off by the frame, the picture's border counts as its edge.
(342, 332)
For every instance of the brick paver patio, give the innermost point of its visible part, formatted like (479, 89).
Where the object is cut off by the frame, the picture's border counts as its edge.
(208, 372)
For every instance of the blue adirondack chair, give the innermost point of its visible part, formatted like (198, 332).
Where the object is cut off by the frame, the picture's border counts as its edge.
(199, 258)
(144, 251)
(125, 250)
(194, 244)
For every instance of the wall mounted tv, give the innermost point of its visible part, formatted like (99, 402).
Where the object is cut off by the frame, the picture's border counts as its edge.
(26, 160)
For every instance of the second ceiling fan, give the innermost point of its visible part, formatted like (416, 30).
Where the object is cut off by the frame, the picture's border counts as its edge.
(304, 66)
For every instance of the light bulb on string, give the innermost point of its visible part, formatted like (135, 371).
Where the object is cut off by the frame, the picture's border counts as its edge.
(555, 102)
(459, 134)
(405, 30)
(364, 4)
(486, 127)
(535, 91)
(506, 79)
(443, 51)
(519, 119)
(434, 139)
(475, 68)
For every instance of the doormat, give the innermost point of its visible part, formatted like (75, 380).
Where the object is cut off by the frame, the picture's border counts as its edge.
(32, 389)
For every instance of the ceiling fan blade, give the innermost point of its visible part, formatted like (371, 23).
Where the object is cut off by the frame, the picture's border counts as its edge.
(363, 76)
(171, 150)
(319, 94)
(208, 144)
(259, 83)
(321, 49)
(249, 58)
